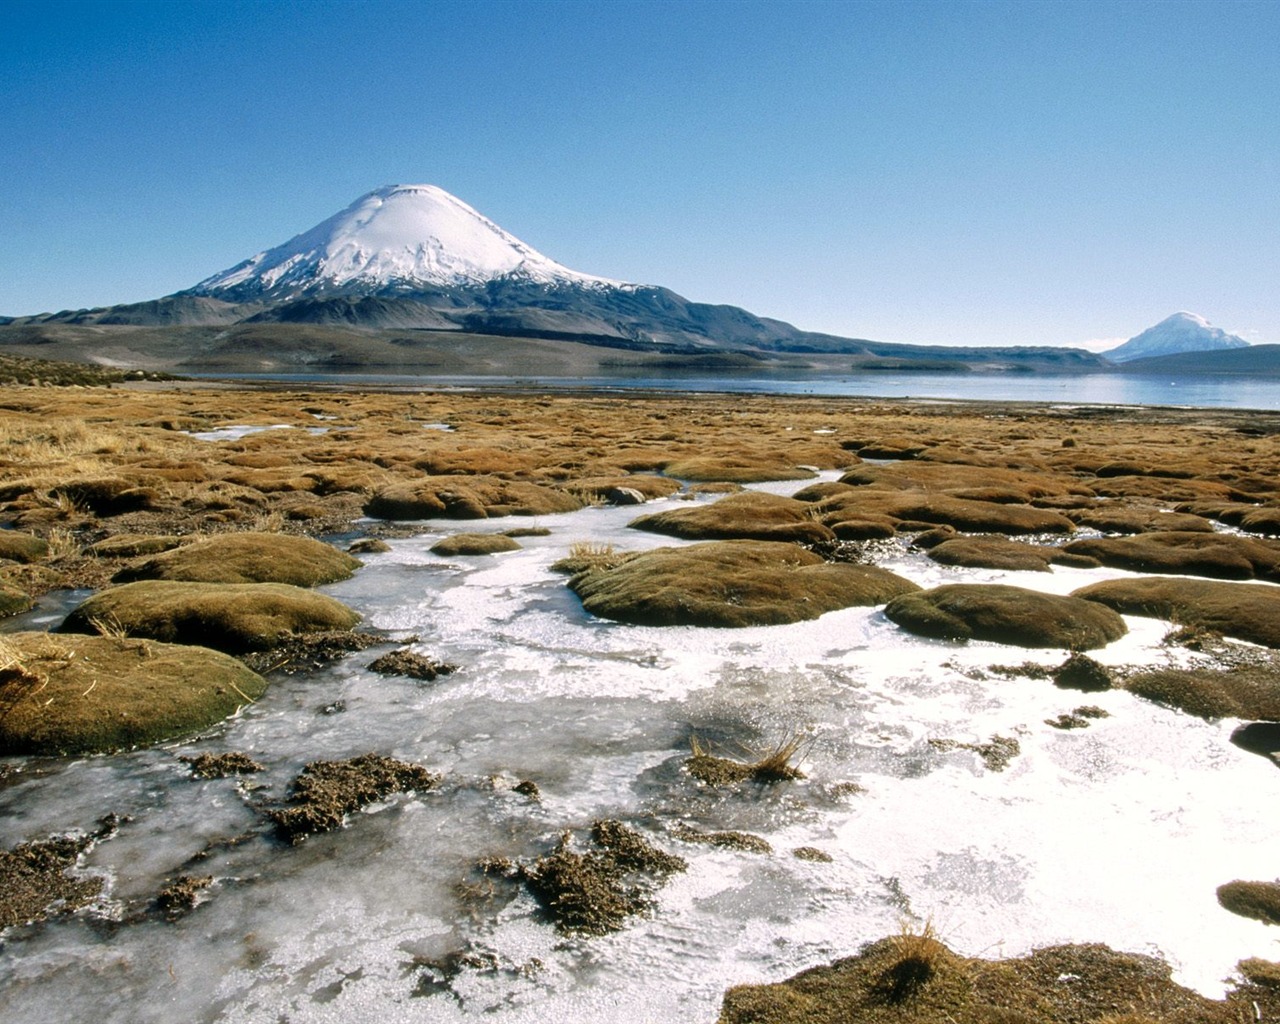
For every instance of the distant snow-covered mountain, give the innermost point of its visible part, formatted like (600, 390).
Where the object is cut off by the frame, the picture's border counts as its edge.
(398, 239)
(406, 266)
(1182, 332)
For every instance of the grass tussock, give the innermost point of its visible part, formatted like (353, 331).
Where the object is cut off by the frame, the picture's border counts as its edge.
(776, 764)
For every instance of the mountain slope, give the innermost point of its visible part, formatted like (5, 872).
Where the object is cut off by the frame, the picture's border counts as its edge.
(1181, 332)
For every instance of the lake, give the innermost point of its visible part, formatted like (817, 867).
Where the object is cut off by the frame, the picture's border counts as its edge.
(1228, 392)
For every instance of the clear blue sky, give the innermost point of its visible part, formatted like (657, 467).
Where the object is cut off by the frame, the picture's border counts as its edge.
(979, 173)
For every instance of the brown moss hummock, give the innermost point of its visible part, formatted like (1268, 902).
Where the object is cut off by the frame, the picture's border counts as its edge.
(327, 791)
(730, 584)
(474, 544)
(92, 694)
(1247, 611)
(1258, 900)
(231, 617)
(247, 558)
(1007, 615)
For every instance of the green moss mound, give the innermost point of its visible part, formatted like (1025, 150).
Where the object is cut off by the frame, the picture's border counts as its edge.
(1007, 615)
(91, 694)
(474, 544)
(247, 558)
(750, 515)
(730, 584)
(231, 617)
(915, 979)
(1242, 610)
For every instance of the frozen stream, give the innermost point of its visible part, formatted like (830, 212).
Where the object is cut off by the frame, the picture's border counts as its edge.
(1118, 833)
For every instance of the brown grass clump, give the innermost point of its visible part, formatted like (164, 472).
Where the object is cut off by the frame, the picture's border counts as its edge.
(587, 556)
(774, 765)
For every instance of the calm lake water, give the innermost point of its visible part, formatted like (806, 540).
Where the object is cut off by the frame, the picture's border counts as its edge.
(1086, 389)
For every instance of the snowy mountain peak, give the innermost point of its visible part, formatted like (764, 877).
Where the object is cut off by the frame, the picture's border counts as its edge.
(1181, 332)
(395, 239)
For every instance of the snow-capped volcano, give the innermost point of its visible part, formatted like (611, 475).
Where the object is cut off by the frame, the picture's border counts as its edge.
(394, 240)
(1182, 332)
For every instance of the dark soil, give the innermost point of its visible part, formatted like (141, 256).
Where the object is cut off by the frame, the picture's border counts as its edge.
(1258, 900)
(407, 663)
(182, 895)
(996, 754)
(34, 878)
(1080, 672)
(1079, 718)
(914, 979)
(743, 841)
(595, 892)
(307, 652)
(812, 853)
(219, 766)
(326, 791)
